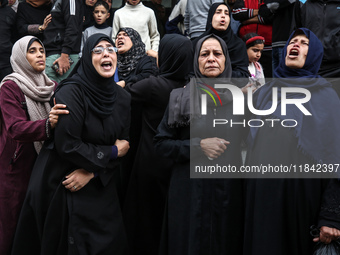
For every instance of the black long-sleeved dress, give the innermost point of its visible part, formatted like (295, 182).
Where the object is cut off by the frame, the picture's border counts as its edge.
(204, 216)
(53, 219)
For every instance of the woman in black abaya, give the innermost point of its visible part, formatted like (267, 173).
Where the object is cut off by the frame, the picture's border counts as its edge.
(204, 216)
(236, 47)
(280, 212)
(145, 201)
(71, 206)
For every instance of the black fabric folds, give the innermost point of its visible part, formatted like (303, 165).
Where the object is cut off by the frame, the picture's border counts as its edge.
(172, 66)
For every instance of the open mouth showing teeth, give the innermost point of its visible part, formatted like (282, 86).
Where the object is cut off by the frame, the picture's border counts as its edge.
(106, 65)
(294, 53)
(120, 43)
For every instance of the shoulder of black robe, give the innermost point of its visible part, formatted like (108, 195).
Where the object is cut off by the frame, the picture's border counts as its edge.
(99, 92)
(146, 67)
(175, 57)
(236, 47)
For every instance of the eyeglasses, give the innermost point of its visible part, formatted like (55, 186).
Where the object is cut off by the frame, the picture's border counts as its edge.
(100, 50)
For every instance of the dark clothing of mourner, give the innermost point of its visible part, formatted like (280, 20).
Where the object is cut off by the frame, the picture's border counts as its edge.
(88, 20)
(7, 28)
(236, 48)
(133, 66)
(147, 191)
(200, 212)
(283, 210)
(63, 33)
(88, 221)
(29, 18)
(311, 15)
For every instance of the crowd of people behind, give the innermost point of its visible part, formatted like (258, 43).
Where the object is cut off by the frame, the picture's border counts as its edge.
(100, 118)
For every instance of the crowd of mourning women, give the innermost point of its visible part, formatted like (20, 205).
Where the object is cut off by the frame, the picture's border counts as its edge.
(102, 113)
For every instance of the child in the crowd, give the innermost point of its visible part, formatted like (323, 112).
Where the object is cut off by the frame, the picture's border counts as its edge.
(101, 12)
(255, 45)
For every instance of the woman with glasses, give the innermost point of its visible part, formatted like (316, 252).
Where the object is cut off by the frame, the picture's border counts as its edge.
(72, 205)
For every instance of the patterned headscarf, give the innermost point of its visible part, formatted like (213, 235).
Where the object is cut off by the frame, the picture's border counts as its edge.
(128, 61)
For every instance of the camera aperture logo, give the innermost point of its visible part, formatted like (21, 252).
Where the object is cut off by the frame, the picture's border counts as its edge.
(239, 105)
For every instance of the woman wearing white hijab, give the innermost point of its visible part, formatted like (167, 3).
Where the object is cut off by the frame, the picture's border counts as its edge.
(26, 121)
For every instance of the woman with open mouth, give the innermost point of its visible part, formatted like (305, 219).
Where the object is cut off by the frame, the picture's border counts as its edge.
(281, 210)
(218, 23)
(72, 206)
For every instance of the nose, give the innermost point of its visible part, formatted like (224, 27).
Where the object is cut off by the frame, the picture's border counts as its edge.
(211, 57)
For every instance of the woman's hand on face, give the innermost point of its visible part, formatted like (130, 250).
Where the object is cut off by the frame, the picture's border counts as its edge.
(77, 179)
(213, 147)
(56, 110)
(152, 53)
(121, 83)
(123, 147)
(327, 234)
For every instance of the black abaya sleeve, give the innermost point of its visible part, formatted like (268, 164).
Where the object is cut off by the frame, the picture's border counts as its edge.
(175, 142)
(68, 133)
(330, 209)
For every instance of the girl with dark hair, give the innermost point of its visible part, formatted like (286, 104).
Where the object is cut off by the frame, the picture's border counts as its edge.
(71, 206)
(26, 121)
(255, 44)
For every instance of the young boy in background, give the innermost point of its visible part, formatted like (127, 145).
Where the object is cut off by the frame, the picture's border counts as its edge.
(101, 13)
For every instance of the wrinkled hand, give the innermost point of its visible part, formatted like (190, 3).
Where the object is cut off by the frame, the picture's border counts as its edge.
(64, 63)
(47, 20)
(123, 147)
(77, 180)
(55, 112)
(213, 147)
(327, 234)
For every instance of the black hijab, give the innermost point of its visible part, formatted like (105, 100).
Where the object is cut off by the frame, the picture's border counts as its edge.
(128, 61)
(184, 103)
(99, 92)
(318, 134)
(236, 47)
(175, 52)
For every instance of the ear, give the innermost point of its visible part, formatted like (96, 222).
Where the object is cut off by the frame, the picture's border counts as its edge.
(108, 15)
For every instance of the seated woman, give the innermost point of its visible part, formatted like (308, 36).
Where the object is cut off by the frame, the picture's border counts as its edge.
(26, 121)
(133, 63)
(283, 210)
(202, 210)
(218, 23)
(71, 206)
